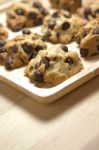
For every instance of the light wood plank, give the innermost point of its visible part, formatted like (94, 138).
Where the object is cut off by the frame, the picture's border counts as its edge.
(70, 123)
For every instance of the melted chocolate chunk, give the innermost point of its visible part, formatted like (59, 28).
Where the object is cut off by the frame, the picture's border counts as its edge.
(39, 47)
(46, 36)
(87, 12)
(2, 43)
(38, 21)
(15, 48)
(65, 26)
(69, 61)
(48, 33)
(18, 27)
(45, 61)
(19, 11)
(55, 15)
(32, 15)
(37, 66)
(33, 56)
(43, 11)
(8, 63)
(37, 4)
(85, 34)
(26, 31)
(64, 48)
(84, 52)
(28, 48)
(97, 11)
(38, 76)
(51, 24)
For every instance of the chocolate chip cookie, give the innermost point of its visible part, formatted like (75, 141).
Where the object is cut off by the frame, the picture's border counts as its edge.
(60, 27)
(3, 38)
(22, 49)
(88, 38)
(53, 66)
(90, 11)
(70, 5)
(27, 13)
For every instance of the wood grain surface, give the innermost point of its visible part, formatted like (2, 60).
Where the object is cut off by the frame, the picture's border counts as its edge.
(72, 123)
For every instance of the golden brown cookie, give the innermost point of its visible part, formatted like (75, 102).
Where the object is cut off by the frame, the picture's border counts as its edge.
(3, 38)
(60, 27)
(53, 66)
(21, 49)
(88, 38)
(27, 13)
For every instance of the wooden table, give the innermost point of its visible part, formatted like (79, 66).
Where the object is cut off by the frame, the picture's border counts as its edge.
(72, 123)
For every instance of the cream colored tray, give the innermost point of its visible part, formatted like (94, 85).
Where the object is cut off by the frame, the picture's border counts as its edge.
(17, 79)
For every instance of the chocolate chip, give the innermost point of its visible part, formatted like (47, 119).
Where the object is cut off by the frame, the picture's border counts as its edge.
(38, 76)
(32, 15)
(33, 56)
(85, 34)
(96, 31)
(94, 15)
(55, 58)
(39, 47)
(78, 40)
(58, 34)
(51, 24)
(87, 12)
(65, 26)
(48, 33)
(28, 48)
(37, 4)
(18, 27)
(8, 63)
(38, 21)
(2, 43)
(15, 48)
(98, 47)
(45, 61)
(55, 15)
(46, 36)
(69, 61)
(37, 66)
(26, 31)
(97, 11)
(43, 11)
(64, 48)
(19, 11)
(84, 52)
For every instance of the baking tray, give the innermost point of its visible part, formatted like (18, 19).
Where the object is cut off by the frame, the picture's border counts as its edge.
(17, 79)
